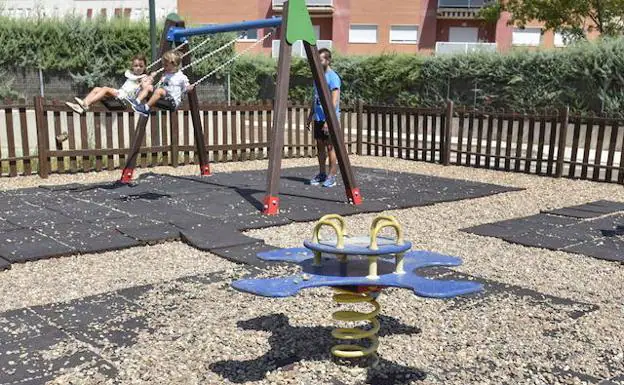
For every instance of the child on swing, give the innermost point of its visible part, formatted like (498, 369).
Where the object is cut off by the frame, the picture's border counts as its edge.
(169, 91)
(136, 79)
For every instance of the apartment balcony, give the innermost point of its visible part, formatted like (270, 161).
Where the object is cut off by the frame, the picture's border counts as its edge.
(460, 9)
(314, 6)
(446, 48)
(297, 49)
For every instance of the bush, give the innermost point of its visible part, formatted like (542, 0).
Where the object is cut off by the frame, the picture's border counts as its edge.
(93, 51)
(586, 76)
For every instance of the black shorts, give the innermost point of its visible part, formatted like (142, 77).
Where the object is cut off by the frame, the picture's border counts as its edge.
(167, 103)
(319, 134)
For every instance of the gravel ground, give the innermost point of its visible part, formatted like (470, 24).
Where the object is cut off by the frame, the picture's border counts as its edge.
(207, 333)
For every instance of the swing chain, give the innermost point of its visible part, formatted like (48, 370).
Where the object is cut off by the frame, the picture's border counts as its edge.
(219, 68)
(176, 49)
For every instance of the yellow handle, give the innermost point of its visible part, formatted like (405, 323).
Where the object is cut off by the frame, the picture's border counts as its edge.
(339, 218)
(381, 222)
(339, 233)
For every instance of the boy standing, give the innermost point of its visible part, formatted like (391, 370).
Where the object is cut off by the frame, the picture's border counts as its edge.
(321, 130)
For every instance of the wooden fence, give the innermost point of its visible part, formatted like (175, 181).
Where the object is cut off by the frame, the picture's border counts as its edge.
(50, 138)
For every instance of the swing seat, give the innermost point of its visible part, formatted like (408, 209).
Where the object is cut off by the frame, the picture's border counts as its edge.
(115, 104)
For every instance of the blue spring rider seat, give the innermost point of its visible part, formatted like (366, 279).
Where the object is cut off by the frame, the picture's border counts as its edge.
(358, 267)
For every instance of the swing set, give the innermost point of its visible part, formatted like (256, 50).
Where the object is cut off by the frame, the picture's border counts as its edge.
(294, 25)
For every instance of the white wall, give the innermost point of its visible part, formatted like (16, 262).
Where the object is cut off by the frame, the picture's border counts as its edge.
(138, 8)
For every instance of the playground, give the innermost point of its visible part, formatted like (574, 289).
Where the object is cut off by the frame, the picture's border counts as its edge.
(251, 272)
(167, 311)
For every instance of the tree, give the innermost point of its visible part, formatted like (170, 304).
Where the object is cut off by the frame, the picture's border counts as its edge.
(574, 18)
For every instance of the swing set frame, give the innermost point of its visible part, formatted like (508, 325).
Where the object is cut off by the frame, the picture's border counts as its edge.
(294, 25)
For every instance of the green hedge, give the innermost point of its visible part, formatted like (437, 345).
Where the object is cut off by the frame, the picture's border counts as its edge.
(587, 76)
(92, 51)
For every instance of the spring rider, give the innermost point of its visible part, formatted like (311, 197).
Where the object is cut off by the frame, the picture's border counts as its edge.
(357, 267)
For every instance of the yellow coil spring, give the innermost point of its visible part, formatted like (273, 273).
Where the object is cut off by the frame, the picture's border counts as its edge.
(352, 350)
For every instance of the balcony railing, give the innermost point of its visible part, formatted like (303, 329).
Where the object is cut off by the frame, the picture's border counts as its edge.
(444, 47)
(298, 49)
(309, 3)
(461, 3)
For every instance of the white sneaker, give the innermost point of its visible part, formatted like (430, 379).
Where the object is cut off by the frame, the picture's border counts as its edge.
(81, 103)
(77, 109)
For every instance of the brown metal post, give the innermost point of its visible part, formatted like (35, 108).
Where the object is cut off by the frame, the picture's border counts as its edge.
(360, 127)
(128, 170)
(563, 136)
(42, 138)
(446, 155)
(335, 133)
(271, 200)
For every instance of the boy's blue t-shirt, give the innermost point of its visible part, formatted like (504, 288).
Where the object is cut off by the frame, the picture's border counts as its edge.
(333, 81)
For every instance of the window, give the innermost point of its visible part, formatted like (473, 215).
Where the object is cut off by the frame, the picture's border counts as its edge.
(463, 34)
(363, 34)
(527, 36)
(560, 39)
(404, 34)
(251, 34)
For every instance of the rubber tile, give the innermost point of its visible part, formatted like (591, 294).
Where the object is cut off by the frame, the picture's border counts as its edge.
(152, 234)
(611, 249)
(30, 245)
(88, 238)
(104, 321)
(246, 254)
(33, 217)
(574, 212)
(540, 241)
(215, 237)
(4, 264)
(6, 226)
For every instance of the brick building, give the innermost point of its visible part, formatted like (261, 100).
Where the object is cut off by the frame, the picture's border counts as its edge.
(133, 9)
(377, 26)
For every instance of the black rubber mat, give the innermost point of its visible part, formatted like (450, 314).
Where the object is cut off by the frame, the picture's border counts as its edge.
(594, 229)
(210, 211)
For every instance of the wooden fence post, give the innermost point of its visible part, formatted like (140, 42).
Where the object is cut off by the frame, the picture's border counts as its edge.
(42, 138)
(175, 134)
(563, 136)
(446, 154)
(359, 126)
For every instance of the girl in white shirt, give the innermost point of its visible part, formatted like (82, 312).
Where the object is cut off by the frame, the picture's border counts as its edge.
(136, 79)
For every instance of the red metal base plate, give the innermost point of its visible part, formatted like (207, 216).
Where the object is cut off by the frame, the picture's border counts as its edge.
(126, 175)
(271, 205)
(354, 196)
